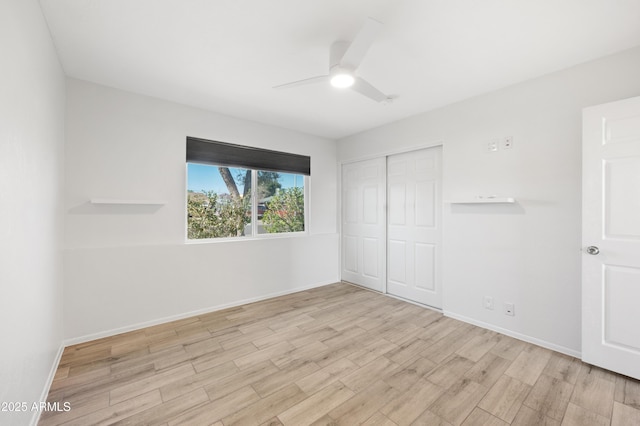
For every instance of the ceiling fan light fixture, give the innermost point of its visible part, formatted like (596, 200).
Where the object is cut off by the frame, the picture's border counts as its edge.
(344, 60)
(342, 80)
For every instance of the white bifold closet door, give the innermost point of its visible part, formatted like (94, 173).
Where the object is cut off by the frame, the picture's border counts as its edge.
(363, 223)
(391, 225)
(414, 230)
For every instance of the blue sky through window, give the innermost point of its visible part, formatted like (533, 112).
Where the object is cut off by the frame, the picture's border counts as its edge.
(202, 177)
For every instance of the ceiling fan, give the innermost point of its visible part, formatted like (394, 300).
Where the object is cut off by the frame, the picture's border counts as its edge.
(344, 60)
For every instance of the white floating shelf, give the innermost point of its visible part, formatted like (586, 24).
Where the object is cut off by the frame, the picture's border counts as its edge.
(114, 201)
(484, 200)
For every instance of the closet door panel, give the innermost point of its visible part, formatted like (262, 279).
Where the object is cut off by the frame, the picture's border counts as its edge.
(364, 223)
(414, 212)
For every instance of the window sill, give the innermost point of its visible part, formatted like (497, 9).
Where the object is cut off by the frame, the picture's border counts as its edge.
(260, 237)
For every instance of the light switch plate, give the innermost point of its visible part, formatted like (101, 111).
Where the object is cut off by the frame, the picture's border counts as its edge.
(507, 142)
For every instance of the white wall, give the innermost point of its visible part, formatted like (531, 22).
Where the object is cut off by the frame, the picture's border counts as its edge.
(133, 261)
(527, 253)
(32, 105)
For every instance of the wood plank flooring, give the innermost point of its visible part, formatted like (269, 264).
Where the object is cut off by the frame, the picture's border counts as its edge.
(335, 355)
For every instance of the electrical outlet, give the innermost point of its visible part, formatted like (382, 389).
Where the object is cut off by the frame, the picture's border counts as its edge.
(488, 302)
(507, 142)
(509, 309)
(492, 146)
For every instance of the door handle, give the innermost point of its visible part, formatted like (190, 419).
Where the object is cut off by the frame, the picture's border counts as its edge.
(593, 250)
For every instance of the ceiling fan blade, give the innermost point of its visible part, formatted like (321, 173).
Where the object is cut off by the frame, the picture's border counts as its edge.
(364, 88)
(312, 80)
(363, 41)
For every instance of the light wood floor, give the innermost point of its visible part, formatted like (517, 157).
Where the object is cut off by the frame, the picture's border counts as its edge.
(328, 356)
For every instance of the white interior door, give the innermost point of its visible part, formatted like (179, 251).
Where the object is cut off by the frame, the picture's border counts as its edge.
(414, 230)
(363, 223)
(611, 237)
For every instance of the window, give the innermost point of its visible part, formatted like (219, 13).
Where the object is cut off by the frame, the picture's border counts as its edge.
(280, 202)
(230, 188)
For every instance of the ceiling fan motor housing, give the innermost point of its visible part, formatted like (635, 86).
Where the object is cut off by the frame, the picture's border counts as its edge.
(341, 77)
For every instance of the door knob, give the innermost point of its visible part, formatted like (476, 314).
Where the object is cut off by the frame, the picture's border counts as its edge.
(593, 250)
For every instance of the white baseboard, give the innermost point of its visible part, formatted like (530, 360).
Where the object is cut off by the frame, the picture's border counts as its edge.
(507, 332)
(516, 335)
(45, 391)
(138, 326)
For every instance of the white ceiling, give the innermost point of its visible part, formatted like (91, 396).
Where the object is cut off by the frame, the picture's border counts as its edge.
(226, 55)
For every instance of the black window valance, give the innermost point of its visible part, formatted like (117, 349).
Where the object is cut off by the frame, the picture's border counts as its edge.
(226, 154)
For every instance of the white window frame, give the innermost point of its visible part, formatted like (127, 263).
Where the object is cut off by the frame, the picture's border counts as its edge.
(254, 212)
